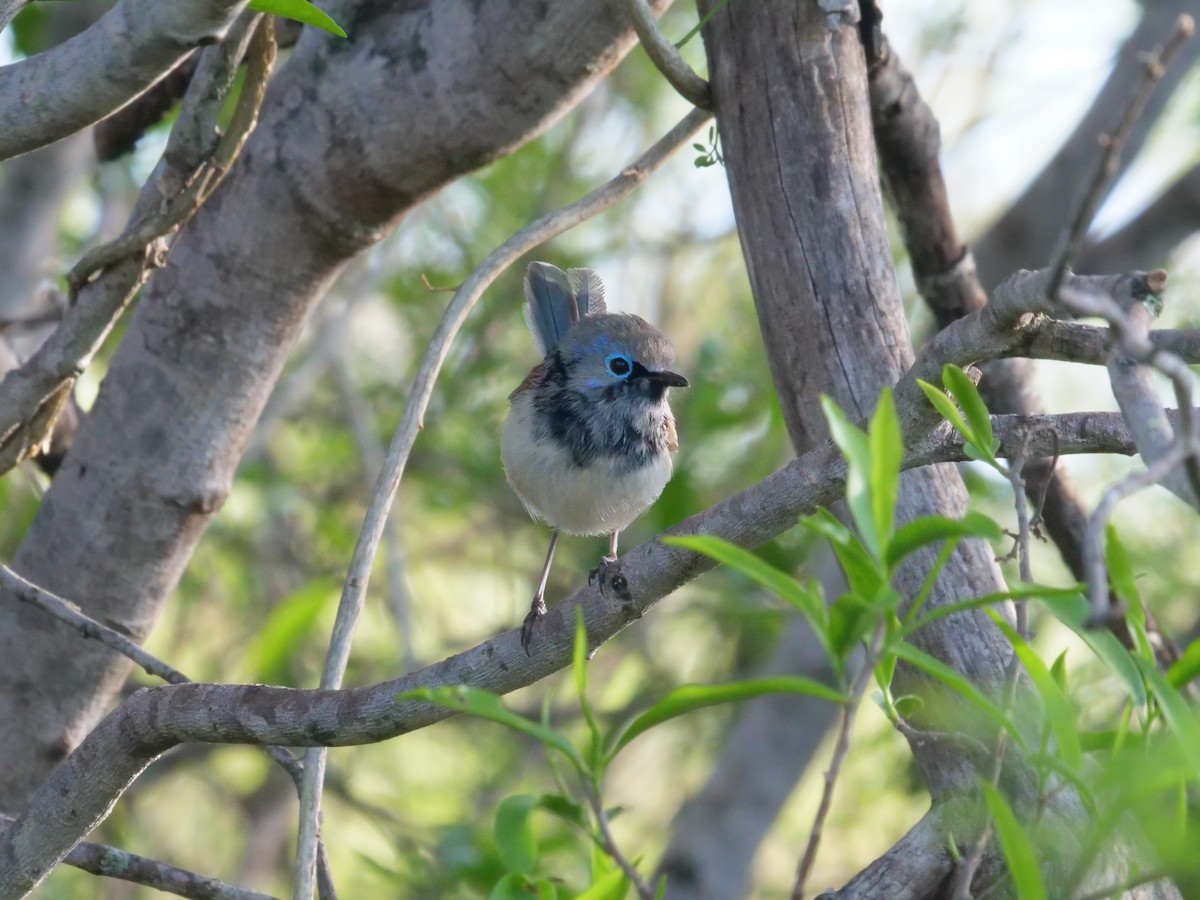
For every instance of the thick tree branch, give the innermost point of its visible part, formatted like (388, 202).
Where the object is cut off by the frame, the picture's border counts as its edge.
(154, 720)
(58, 92)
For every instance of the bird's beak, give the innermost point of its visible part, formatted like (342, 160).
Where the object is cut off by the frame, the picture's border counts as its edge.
(668, 379)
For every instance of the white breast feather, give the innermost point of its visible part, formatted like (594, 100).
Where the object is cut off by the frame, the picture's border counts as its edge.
(594, 500)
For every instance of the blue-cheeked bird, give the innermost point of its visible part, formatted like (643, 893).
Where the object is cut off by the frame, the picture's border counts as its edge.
(588, 441)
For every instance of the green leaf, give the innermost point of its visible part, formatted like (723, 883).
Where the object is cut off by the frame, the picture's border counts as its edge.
(778, 582)
(930, 529)
(698, 696)
(1021, 592)
(517, 887)
(486, 705)
(1179, 715)
(855, 446)
(268, 658)
(1124, 584)
(613, 886)
(886, 446)
(1187, 667)
(943, 404)
(301, 11)
(1074, 611)
(1018, 849)
(564, 808)
(862, 572)
(1059, 712)
(514, 833)
(961, 685)
(1059, 670)
(1120, 570)
(967, 395)
(850, 619)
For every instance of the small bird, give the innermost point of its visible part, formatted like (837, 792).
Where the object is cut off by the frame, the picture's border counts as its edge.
(588, 441)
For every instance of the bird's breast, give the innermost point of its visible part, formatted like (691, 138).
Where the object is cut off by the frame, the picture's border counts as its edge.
(585, 476)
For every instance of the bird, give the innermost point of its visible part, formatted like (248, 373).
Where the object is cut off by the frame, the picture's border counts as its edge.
(588, 440)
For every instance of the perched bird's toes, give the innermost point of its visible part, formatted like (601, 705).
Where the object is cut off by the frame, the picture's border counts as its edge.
(607, 573)
(536, 612)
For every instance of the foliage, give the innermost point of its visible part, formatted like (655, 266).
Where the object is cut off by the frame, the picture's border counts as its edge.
(1151, 729)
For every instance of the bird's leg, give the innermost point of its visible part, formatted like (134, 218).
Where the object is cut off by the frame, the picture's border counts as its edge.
(538, 608)
(608, 564)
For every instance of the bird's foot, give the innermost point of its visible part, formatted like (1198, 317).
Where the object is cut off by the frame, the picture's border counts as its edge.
(536, 612)
(608, 574)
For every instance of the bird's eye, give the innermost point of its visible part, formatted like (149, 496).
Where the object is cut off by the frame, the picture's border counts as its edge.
(619, 364)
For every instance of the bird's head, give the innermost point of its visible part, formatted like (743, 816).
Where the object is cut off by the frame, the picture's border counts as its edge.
(614, 357)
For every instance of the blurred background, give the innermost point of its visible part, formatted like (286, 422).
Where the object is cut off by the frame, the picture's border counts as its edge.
(413, 817)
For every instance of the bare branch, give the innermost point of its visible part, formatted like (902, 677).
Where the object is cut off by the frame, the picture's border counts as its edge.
(58, 92)
(107, 278)
(69, 614)
(666, 57)
(1150, 236)
(112, 862)
(375, 520)
(1154, 67)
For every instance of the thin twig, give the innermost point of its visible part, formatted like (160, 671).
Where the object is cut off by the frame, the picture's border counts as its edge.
(69, 614)
(375, 520)
(666, 58)
(1108, 166)
(840, 751)
(112, 862)
(609, 846)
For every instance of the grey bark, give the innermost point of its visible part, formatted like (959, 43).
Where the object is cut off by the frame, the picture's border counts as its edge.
(353, 135)
(790, 88)
(792, 107)
(62, 90)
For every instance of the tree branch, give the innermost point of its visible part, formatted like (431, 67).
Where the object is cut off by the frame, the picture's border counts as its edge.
(106, 279)
(153, 720)
(58, 92)
(112, 862)
(1153, 68)
(666, 58)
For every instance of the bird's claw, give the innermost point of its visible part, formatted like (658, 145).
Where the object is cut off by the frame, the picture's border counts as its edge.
(536, 612)
(608, 574)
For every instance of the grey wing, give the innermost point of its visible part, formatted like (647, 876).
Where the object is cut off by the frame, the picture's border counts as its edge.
(589, 291)
(550, 304)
